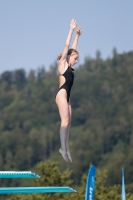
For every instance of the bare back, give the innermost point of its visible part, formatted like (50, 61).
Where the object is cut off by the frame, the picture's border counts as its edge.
(62, 67)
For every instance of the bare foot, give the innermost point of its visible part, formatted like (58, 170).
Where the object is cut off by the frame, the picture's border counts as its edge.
(64, 155)
(69, 156)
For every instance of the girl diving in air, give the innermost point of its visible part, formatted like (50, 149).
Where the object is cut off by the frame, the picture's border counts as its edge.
(67, 59)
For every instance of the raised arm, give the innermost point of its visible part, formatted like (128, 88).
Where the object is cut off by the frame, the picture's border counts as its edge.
(68, 40)
(78, 33)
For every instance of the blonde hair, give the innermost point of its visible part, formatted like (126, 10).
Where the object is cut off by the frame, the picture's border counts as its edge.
(70, 52)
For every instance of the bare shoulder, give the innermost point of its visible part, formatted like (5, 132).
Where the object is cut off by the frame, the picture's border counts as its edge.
(62, 66)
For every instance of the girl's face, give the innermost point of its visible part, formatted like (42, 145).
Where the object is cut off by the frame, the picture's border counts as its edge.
(73, 59)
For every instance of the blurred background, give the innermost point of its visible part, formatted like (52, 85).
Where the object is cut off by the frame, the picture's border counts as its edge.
(32, 34)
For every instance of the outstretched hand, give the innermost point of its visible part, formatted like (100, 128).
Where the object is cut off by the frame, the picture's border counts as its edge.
(79, 31)
(73, 24)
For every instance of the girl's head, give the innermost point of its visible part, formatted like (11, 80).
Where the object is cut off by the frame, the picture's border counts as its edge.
(72, 57)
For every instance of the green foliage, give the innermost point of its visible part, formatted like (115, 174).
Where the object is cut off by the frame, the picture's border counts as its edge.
(104, 192)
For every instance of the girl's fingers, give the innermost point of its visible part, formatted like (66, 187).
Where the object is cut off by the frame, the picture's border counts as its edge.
(79, 28)
(73, 23)
(79, 31)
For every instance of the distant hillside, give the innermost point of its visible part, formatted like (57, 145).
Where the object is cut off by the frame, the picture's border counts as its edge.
(102, 124)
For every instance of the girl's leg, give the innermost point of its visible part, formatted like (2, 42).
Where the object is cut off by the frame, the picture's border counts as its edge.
(65, 120)
(67, 138)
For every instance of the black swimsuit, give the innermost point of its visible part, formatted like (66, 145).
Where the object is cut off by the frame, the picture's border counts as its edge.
(69, 76)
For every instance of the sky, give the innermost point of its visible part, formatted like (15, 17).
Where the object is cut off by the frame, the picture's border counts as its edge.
(33, 32)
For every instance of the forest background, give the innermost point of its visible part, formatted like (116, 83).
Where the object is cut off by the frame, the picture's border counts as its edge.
(102, 122)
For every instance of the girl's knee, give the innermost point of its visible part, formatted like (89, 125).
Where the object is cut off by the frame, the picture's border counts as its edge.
(65, 122)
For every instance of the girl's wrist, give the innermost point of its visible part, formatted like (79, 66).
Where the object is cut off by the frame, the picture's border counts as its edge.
(71, 29)
(77, 35)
